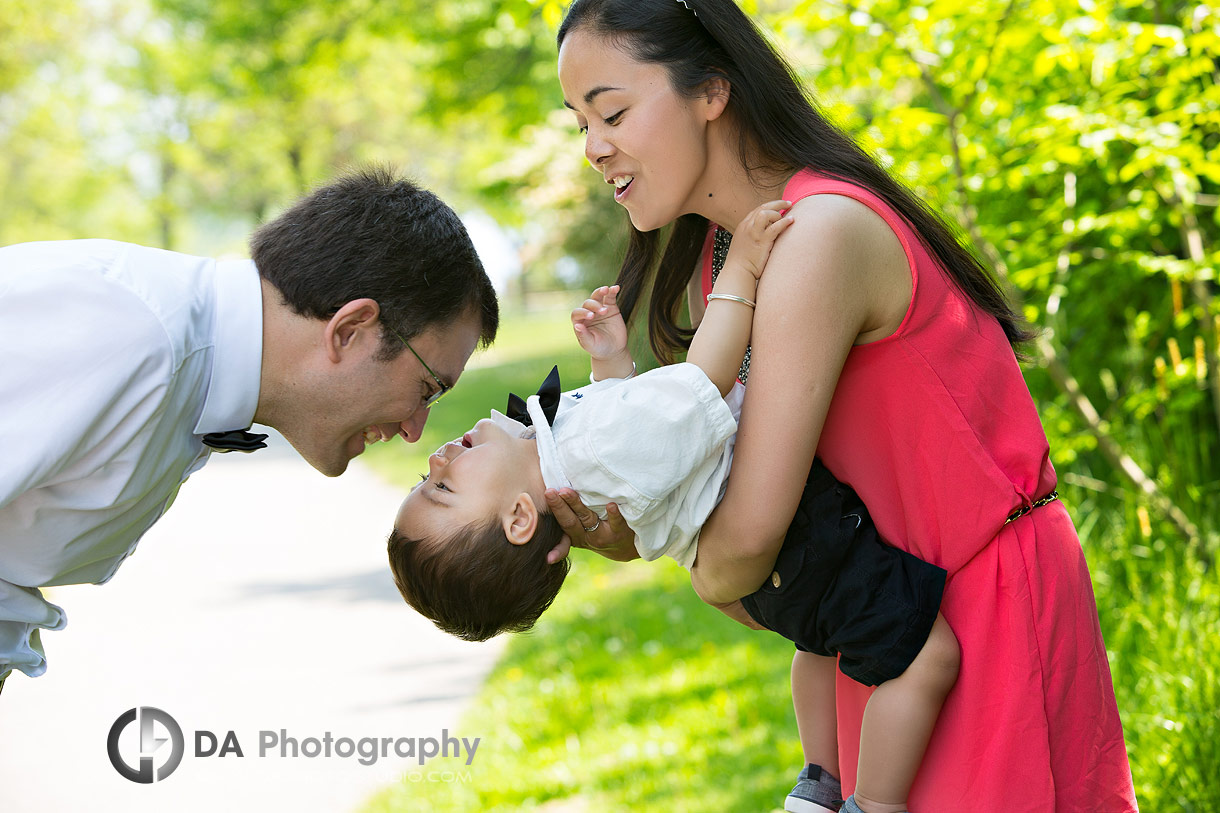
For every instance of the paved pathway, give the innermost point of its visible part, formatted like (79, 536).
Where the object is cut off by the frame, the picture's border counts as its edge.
(260, 602)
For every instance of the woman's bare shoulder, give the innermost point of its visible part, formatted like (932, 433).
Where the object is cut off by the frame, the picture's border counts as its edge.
(842, 218)
(841, 241)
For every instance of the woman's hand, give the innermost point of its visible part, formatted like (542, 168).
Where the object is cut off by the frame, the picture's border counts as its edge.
(610, 537)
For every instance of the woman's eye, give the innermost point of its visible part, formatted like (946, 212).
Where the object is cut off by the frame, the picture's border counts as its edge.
(613, 120)
(584, 129)
(423, 478)
(441, 486)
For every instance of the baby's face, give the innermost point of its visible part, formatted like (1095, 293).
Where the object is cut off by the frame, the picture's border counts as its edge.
(469, 480)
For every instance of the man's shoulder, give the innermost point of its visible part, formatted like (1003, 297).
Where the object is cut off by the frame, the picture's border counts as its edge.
(84, 254)
(60, 266)
(108, 298)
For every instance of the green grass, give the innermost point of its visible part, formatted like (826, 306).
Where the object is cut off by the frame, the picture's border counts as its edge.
(1160, 614)
(1159, 604)
(631, 695)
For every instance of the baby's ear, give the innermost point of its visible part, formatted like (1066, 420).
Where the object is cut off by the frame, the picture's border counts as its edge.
(521, 521)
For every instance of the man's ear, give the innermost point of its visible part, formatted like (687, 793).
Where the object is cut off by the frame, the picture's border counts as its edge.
(521, 521)
(352, 321)
(716, 93)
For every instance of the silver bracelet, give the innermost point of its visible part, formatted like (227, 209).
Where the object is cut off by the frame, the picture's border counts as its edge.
(731, 298)
(593, 380)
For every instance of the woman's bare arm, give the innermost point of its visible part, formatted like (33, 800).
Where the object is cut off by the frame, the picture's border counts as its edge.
(837, 277)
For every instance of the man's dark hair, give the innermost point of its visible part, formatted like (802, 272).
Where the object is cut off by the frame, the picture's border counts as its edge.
(372, 234)
(477, 584)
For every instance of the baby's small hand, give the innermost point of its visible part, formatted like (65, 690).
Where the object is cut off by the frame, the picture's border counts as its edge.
(756, 234)
(599, 325)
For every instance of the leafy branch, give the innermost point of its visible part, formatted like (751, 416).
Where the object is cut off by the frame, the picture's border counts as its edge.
(1049, 355)
(1192, 237)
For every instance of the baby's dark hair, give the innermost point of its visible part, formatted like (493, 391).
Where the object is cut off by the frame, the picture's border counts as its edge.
(476, 584)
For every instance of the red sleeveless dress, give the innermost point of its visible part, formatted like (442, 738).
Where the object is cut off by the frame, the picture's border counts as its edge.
(935, 429)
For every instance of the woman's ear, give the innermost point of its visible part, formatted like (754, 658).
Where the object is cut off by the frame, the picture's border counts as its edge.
(521, 521)
(717, 97)
(347, 322)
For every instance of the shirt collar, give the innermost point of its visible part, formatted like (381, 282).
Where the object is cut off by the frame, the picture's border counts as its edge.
(513, 428)
(237, 349)
(553, 474)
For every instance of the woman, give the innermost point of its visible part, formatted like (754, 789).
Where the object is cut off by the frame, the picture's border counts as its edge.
(881, 345)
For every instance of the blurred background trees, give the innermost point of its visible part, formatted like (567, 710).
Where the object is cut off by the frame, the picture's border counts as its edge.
(1077, 144)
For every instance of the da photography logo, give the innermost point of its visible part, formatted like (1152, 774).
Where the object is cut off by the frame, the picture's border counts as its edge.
(155, 728)
(150, 745)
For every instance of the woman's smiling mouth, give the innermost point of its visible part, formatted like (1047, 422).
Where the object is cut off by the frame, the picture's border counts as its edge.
(621, 184)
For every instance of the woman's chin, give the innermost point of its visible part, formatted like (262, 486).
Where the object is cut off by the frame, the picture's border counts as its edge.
(642, 222)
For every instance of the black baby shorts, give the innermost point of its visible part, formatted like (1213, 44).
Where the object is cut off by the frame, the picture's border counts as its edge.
(838, 589)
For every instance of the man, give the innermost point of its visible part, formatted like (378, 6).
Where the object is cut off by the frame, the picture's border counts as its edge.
(125, 367)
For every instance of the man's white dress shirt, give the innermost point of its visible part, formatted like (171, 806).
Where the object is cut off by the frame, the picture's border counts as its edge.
(658, 445)
(117, 359)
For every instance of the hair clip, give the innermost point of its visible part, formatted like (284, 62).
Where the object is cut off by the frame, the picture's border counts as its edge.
(689, 7)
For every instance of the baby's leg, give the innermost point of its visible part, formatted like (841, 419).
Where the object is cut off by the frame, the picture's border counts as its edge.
(898, 722)
(813, 698)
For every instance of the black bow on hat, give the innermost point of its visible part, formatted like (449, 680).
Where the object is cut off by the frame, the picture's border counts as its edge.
(548, 397)
(237, 440)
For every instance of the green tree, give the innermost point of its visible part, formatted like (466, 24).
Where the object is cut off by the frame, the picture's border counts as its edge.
(62, 126)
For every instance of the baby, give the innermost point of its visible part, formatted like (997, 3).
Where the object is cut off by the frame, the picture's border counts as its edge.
(469, 547)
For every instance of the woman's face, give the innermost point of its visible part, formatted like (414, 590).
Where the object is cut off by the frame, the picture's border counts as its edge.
(649, 143)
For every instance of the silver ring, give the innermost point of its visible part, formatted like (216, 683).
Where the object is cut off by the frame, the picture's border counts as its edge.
(596, 525)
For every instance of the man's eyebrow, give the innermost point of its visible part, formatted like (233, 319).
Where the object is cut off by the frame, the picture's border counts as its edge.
(590, 96)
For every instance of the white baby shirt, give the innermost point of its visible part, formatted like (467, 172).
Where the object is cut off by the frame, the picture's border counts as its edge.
(658, 445)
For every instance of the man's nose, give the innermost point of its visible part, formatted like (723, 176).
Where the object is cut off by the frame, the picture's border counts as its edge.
(412, 428)
(409, 430)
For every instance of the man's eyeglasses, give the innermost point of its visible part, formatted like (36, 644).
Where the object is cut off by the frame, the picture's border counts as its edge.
(442, 387)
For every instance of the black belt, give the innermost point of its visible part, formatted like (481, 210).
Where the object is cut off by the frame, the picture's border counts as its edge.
(1020, 512)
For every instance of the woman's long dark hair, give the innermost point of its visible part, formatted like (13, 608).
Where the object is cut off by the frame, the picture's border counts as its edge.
(781, 131)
